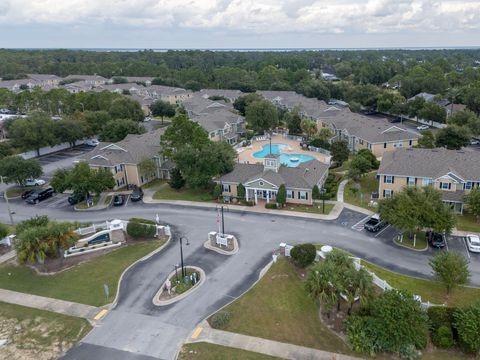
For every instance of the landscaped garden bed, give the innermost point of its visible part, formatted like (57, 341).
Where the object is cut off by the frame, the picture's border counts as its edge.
(165, 192)
(419, 244)
(178, 286)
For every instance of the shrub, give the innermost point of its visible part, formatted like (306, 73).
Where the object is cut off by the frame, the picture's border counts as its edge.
(467, 323)
(142, 221)
(304, 254)
(4, 231)
(217, 191)
(361, 333)
(248, 203)
(409, 352)
(440, 316)
(270, 206)
(443, 337)
(137, 231)
(220, 320)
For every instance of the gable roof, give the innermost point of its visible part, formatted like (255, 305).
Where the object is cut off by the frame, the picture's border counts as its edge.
(131, 150)
(431, 163)
(305, 176)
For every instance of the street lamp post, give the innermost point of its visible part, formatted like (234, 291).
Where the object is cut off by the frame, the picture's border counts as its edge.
(322, 192)
(181, 256)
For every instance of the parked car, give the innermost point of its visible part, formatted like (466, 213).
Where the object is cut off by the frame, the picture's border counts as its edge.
(27, 193)
(473, 243)
(474, 142)
(423, 127)
(75, 199)
(137, 194)
(39, 195)
(375, 223)
(118, 200)
(34, 182)
(436, 240)
(91, 142)
(148, 118)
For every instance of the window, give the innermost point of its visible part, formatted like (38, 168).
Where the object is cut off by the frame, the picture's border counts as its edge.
(427, 182)
(387, 193)
(410, 142)
(411, 180)
(303, 195)
(384, 145)
(445, 186)
(360, 141)
(290, 194)
(226, 188)
(388, 179)
(468, 185)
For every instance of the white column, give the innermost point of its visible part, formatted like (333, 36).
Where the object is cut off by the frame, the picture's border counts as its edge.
(268, 196)
(246, 194)
(256, 197)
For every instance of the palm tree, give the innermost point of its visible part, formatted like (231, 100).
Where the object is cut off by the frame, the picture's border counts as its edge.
(359, 285)
(309, 128)
(321, 287)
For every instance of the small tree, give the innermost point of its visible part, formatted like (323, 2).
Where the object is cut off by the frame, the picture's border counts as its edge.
(473, 202)
(176, 179)
(304, 254)
(15, 169)
(162, 108)
(368, 155)
(453, 137)
(358, 167)
(467, 323)
(450, 268)
(316, 195)
(340, 152)
(427, 141)
(3, 231)
(282, 195)
(217, 191)
(241, 191)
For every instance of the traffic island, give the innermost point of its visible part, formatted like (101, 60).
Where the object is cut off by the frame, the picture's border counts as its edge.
(178, 287)
(225, 244)
(416, 243)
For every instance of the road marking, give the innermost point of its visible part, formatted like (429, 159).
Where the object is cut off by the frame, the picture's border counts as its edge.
(466, 247)
(359, 225)
(100, 315)
(126, 201)
(381, 231)
(197, 332)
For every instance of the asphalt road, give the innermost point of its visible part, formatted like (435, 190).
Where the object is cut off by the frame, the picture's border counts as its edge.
(136, 329)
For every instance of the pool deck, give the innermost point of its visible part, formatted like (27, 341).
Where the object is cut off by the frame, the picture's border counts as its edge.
(293, 147)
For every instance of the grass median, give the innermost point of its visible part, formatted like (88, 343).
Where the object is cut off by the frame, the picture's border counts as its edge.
(165, 192)
(82, 283)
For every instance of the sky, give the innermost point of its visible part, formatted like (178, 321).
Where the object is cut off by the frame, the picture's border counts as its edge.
(238, 23)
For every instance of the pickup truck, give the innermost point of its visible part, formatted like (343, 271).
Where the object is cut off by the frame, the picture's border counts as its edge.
(374, 224)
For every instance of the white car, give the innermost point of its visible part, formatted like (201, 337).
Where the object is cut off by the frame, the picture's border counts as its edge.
(423, 127)
(474, 142)
(473, 243)
(34, 182)
(91, 142)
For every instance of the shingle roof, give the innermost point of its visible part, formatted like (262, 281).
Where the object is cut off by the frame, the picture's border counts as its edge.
(217, 119)
(305, 176)
(431, 163)
(131, 150)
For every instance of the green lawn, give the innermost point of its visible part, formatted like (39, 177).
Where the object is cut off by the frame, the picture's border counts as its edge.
(432, 291)
(154, 184)
(420, 242)
(83, 204)
(17, 190)
(38, 332)
(165, 192)
(83, 283)
(361, 197)
(445, 355)
(207, 351)
(108, 200)
(468, 222)
(316, 209)
(279, 308)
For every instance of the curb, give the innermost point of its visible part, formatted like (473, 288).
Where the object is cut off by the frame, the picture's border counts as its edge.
(203, 278)
(207, 246)
(146, 257)
(409, 248)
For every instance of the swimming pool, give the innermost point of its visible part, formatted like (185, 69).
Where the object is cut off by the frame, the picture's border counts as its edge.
(290, 160)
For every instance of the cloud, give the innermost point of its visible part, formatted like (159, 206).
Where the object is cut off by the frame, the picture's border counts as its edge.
(254, 16)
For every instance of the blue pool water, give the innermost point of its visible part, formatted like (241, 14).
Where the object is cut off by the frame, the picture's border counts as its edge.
(285, 159)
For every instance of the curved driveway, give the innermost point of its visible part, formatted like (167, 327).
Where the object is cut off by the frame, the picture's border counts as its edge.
(136, 329)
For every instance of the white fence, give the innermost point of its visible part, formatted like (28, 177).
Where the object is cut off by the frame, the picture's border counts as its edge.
(92, 228)
(319, 150)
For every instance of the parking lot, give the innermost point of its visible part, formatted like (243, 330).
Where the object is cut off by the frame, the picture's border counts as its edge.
(57, 201)
(64, 154)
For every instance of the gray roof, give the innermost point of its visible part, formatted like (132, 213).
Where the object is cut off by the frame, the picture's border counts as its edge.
(229, 94)
(215, 120)
(431, 163)
(43, 77)
(426, 96)
(86, 77)
(453, 196)
(131, 150)
(305, 176)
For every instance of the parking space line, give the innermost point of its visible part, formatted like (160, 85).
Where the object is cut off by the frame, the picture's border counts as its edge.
(126, 201)
(359, 225)
(381, 231)
(464, 240)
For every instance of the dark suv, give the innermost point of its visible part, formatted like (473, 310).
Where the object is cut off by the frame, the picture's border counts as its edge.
(39, 195)
(436, 240)
(375, 224)
(75, 199)
(137, 194)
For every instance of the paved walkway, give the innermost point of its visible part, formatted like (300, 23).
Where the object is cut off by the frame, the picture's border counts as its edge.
(49, 304)
(341, 190)
(204, 333)
(8, 256)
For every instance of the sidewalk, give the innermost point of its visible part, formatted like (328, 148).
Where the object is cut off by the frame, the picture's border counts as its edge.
(49, 304)
(8, 256)
(204, 333)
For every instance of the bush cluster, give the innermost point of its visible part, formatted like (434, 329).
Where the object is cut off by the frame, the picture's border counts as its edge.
(142, 221)
(270, 206)
(303, 254)
(441, 326)
(220, 320)
(138, 230)
(248, 203)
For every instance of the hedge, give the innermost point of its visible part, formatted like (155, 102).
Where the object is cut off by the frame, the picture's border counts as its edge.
(304, 254)
(142, 221)
(137, 230)
(270, 206)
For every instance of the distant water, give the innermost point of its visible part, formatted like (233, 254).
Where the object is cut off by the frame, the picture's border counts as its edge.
(256, 49)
